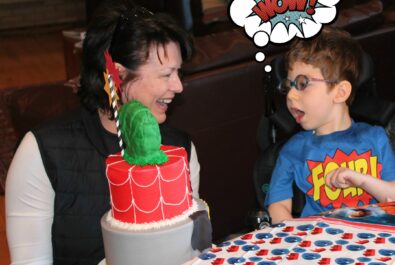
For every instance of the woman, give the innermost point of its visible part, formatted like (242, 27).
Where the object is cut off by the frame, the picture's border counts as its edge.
(56, 190)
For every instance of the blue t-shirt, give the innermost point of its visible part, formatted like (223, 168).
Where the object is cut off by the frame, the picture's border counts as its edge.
(307, 158)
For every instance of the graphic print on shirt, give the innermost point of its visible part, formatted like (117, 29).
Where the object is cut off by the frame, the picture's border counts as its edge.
(364, 163)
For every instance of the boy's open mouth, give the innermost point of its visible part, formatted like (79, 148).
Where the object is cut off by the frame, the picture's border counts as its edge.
(297, 114)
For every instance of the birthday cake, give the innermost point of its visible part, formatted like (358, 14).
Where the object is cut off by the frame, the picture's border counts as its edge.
(153, 218)
(167, 185)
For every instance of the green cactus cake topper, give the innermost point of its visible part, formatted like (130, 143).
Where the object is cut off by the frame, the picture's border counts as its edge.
(140, 131)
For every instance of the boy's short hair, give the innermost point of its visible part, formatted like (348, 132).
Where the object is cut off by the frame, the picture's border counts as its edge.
(334, 52)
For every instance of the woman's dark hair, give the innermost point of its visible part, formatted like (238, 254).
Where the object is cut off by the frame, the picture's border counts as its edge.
(127, 31)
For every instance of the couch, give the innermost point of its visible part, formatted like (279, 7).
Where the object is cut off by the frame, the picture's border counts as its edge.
(223, 99)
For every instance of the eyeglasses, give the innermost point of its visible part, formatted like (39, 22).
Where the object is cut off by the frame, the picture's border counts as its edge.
(300, 83)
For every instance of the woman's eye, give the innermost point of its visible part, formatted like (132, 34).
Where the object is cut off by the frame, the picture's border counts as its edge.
(167, 75)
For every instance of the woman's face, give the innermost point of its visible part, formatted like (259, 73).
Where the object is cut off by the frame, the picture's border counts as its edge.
(157, 81)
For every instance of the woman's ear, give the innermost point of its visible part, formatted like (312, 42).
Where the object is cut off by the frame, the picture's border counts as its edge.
(123, 73)
(343, 91)
(121, 70)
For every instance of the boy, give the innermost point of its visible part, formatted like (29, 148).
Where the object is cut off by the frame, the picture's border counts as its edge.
(335, 161)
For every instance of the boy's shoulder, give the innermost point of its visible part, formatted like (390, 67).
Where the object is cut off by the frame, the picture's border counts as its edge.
(297, 140)
(367, 129)
(300, 137)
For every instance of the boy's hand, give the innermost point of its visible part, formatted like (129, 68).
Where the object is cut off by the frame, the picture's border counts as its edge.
(381, 190)
(344, 178)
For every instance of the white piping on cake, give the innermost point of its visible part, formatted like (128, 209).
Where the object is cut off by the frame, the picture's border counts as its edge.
(172, 150)
(159, 176)
(161, 195)
(161, 202)
(153, 225)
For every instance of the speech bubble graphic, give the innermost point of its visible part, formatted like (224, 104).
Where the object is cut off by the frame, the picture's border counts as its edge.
(279, 21)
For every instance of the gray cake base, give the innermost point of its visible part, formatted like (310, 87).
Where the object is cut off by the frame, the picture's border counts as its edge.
(166, 246)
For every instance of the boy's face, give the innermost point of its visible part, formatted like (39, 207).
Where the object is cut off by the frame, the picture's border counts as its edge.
(313, 107)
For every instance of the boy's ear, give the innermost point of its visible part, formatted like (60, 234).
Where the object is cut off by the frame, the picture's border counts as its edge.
(343, 91)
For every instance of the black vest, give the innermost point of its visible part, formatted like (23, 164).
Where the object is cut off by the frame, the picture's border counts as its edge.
(73, 151)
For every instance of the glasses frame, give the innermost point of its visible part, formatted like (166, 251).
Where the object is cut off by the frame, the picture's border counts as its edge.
(284, 88)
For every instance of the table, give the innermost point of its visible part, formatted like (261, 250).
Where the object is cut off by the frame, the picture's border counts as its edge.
(364, 235)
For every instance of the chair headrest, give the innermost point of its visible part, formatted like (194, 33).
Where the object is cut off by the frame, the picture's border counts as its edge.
(366, 71)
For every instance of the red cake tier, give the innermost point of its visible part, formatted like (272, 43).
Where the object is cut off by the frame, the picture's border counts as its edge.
(153, 193)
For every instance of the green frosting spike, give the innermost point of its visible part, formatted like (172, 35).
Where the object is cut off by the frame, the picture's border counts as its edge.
(140, 131)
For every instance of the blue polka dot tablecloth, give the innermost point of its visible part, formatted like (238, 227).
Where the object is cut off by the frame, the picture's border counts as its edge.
(318, 240)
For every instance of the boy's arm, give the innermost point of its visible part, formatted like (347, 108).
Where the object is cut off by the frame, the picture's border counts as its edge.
(381, 190)
(280, 211)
